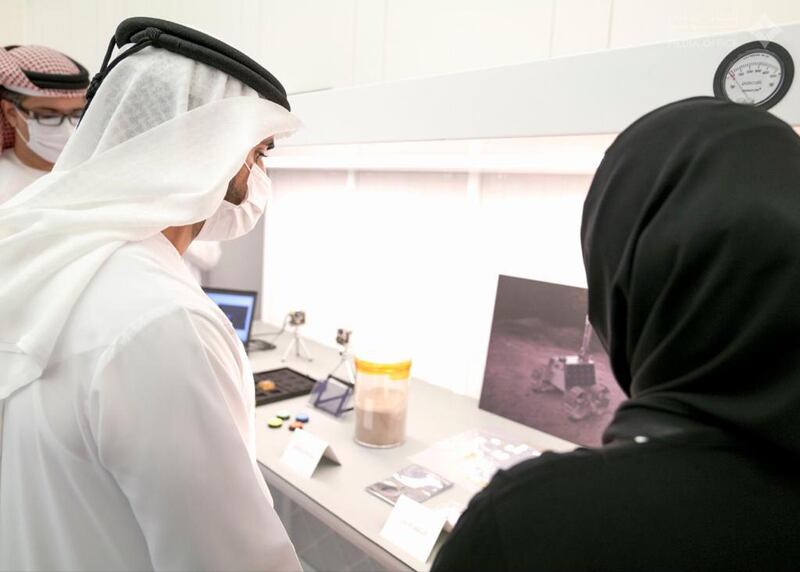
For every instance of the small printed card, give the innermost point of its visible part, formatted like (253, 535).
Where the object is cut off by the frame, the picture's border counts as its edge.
(414, 481)
(414, 527)
(305, 451)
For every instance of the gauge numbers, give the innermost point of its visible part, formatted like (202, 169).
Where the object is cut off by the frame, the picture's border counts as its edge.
(755, 74)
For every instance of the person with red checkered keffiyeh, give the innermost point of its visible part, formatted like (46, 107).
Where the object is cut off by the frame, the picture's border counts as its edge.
(42, 95)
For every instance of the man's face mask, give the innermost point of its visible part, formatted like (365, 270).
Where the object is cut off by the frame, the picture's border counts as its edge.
(47, 141)
(232, 221)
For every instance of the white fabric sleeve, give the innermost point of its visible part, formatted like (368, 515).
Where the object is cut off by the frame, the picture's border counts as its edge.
(172, 426)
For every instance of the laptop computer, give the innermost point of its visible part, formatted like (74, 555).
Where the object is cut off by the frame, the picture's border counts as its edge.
(239, 306)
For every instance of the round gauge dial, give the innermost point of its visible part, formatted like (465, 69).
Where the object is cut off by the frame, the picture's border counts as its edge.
(758, 74)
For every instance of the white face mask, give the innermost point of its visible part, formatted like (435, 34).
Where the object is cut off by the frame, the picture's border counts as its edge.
(232, 221)
(47, 141)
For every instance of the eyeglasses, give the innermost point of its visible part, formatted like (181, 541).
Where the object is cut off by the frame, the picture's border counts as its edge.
(52, 118)
(261, 155)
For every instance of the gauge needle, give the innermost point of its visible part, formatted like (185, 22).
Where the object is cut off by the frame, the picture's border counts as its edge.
(733, 77)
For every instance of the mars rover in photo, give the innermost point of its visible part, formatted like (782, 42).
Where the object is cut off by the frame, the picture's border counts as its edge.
(574, 376)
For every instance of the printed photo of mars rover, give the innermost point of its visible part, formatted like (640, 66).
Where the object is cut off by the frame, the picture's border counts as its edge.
(544, 367)
(574, 376)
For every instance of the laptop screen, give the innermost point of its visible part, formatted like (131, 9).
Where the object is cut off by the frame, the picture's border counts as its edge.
(239, 306)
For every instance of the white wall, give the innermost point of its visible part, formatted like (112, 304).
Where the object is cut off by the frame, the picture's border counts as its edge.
(413, 258)
(318, 44)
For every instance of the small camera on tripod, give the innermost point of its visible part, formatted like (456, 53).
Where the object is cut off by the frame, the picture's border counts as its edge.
(294, 320)
(343, 337)
(333, 394)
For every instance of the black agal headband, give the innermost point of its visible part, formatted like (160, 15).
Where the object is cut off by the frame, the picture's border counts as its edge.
(143, 32)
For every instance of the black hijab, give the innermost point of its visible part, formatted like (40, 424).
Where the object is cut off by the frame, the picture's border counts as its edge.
(691, 242)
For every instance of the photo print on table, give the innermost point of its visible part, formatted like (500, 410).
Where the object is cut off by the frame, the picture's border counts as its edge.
(413, 481)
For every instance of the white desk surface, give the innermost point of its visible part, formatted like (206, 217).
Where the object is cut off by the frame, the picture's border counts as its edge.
(434, 414)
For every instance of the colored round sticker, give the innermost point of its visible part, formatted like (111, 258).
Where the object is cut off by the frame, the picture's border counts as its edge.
(295, 425)
(302, 417)
(283, 415)
(275, 423)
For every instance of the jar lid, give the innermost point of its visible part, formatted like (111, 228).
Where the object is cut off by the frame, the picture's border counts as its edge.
(397, 370)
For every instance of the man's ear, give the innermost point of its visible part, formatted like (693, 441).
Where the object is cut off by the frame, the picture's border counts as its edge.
(7, 109)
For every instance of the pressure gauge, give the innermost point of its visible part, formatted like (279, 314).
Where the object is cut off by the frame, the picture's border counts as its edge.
(758, 74)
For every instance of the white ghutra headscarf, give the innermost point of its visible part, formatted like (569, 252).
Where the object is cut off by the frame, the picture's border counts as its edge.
(161, 140)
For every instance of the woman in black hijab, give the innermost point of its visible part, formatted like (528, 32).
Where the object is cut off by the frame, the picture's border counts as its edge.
(691, 242)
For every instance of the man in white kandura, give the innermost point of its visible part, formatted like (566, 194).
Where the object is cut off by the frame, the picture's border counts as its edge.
(127, 431)
(41, 100)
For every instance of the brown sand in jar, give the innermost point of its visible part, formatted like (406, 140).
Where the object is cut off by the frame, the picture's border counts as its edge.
(380, 417)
